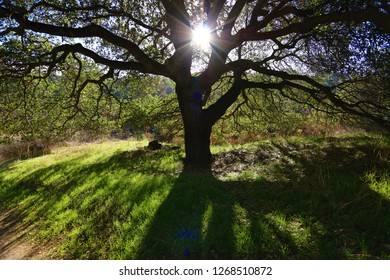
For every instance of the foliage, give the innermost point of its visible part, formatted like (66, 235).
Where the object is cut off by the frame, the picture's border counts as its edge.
(149, 106)
(41, 111)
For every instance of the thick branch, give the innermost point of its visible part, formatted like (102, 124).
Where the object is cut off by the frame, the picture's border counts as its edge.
(87, 32)
(215, 111)
(120, 65)
(179, 64)
(213, 13)
(232, 17)
(309, 23)
(110, 12)
(328, 94)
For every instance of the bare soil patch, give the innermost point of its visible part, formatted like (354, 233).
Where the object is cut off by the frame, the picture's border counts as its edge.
(15, 242)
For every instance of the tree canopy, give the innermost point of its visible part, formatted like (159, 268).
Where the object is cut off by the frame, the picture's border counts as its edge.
(255, 48)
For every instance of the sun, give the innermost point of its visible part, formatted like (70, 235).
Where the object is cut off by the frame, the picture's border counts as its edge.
(201, 36)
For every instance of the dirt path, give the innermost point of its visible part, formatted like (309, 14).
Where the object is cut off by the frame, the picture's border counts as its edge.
(14, 241)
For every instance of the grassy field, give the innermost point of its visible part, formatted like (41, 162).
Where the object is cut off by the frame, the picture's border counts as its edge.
(292, 198)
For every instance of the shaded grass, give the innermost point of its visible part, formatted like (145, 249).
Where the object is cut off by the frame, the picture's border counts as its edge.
(294, 198)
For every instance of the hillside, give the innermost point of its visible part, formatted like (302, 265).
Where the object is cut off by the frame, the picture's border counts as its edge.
(292, 198)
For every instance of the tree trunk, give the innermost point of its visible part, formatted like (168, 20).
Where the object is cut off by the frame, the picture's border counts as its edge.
(197, 128)
(198, 122)
(197, 145)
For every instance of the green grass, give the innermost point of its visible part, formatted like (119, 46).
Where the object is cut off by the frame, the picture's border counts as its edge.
(292, 198)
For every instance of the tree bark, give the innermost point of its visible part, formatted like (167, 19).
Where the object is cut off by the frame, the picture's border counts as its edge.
(197, 145)
(198, 122)
(197, 127)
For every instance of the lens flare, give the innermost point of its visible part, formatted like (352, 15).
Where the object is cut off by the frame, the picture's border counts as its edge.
(201, 36)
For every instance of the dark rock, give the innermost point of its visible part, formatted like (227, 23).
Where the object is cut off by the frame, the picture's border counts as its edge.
(154, 145)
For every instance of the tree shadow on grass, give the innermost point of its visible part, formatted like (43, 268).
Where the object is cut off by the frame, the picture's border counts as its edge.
(196, 205)
(242, 220)
(330, 212)
(84, 205)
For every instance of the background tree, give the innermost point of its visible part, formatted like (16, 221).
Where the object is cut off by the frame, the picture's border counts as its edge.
(286, 42)
(36, 112)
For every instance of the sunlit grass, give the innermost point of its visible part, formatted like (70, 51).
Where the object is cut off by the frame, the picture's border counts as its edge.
(301, 198)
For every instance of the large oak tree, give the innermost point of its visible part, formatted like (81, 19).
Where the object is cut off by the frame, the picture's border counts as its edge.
(271, 46)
